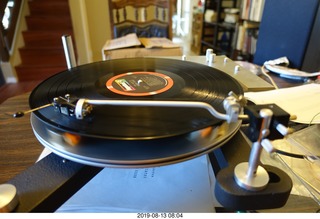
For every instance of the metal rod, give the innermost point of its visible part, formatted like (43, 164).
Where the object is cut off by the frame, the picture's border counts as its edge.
(256, 149)
(69, 51)
(22, 113)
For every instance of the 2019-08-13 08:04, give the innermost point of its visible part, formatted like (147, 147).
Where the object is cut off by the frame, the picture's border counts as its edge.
(159, 215)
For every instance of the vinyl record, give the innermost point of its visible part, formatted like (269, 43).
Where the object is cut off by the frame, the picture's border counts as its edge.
(135, 79)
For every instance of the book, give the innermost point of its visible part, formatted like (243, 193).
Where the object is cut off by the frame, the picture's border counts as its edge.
(129, 40)
(246, 39)
(252, 10)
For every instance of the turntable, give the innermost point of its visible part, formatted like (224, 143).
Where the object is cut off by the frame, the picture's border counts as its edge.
(145, 112)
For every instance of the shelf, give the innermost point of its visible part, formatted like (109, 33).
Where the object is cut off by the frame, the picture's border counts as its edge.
(222, 25)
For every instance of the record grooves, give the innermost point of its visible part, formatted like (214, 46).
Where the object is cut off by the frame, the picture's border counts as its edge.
(119, 79)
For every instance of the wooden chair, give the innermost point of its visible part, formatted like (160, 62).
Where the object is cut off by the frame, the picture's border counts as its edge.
(146, 18)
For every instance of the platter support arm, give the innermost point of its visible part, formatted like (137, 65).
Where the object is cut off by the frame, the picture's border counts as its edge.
(252, 185)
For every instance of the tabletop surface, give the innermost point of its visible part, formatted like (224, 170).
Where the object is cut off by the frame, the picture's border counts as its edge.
(18, 145)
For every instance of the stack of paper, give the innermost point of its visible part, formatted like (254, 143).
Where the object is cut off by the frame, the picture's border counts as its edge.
(302, 101)
(183, 187)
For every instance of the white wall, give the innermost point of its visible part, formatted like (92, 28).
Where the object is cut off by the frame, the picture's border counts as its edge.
(91, 26)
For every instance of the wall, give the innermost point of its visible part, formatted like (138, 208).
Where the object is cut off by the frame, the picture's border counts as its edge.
(99, 25)
(91, 26)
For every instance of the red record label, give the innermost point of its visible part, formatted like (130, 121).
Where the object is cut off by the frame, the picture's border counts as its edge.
(139, 83)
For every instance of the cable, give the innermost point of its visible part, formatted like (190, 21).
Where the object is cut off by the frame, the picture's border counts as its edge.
(299, 156)
(313, 118)
(264, 72)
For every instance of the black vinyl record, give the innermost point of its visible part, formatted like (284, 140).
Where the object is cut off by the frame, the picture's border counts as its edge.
(136, 79)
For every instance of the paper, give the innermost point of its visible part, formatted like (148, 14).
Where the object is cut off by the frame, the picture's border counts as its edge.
(122, 42)
(184, 187)
(158, 42)
(302, 101)
(132, 39)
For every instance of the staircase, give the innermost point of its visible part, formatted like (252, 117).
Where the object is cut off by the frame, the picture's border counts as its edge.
(43, 55)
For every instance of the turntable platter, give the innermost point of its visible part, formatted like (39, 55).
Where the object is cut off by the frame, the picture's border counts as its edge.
(160, 79)
(134, 153)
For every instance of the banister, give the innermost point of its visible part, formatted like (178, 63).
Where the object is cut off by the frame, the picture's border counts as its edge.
(7, 34)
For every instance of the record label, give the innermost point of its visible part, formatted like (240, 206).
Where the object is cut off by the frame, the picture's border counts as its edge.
(139, 83)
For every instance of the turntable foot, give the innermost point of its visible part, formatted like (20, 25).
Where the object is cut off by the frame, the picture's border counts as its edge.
(258, 182)
(8, 198)
(234, 197)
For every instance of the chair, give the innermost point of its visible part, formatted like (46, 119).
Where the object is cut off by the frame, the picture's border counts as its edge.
(146, 18)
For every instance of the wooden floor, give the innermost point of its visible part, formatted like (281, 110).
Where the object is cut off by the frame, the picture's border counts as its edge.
(14, 89)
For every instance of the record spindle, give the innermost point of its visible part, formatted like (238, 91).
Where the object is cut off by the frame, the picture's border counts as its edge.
(69, 51)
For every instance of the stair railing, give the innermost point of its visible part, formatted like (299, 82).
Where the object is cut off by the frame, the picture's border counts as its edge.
(9, 13)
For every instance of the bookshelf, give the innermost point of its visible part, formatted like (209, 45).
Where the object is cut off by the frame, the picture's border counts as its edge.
(265, 30)
(252, 10)
(218, 34)
(247, 29)
(236, 39)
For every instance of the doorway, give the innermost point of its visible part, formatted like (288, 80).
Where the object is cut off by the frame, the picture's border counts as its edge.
(181, 23)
